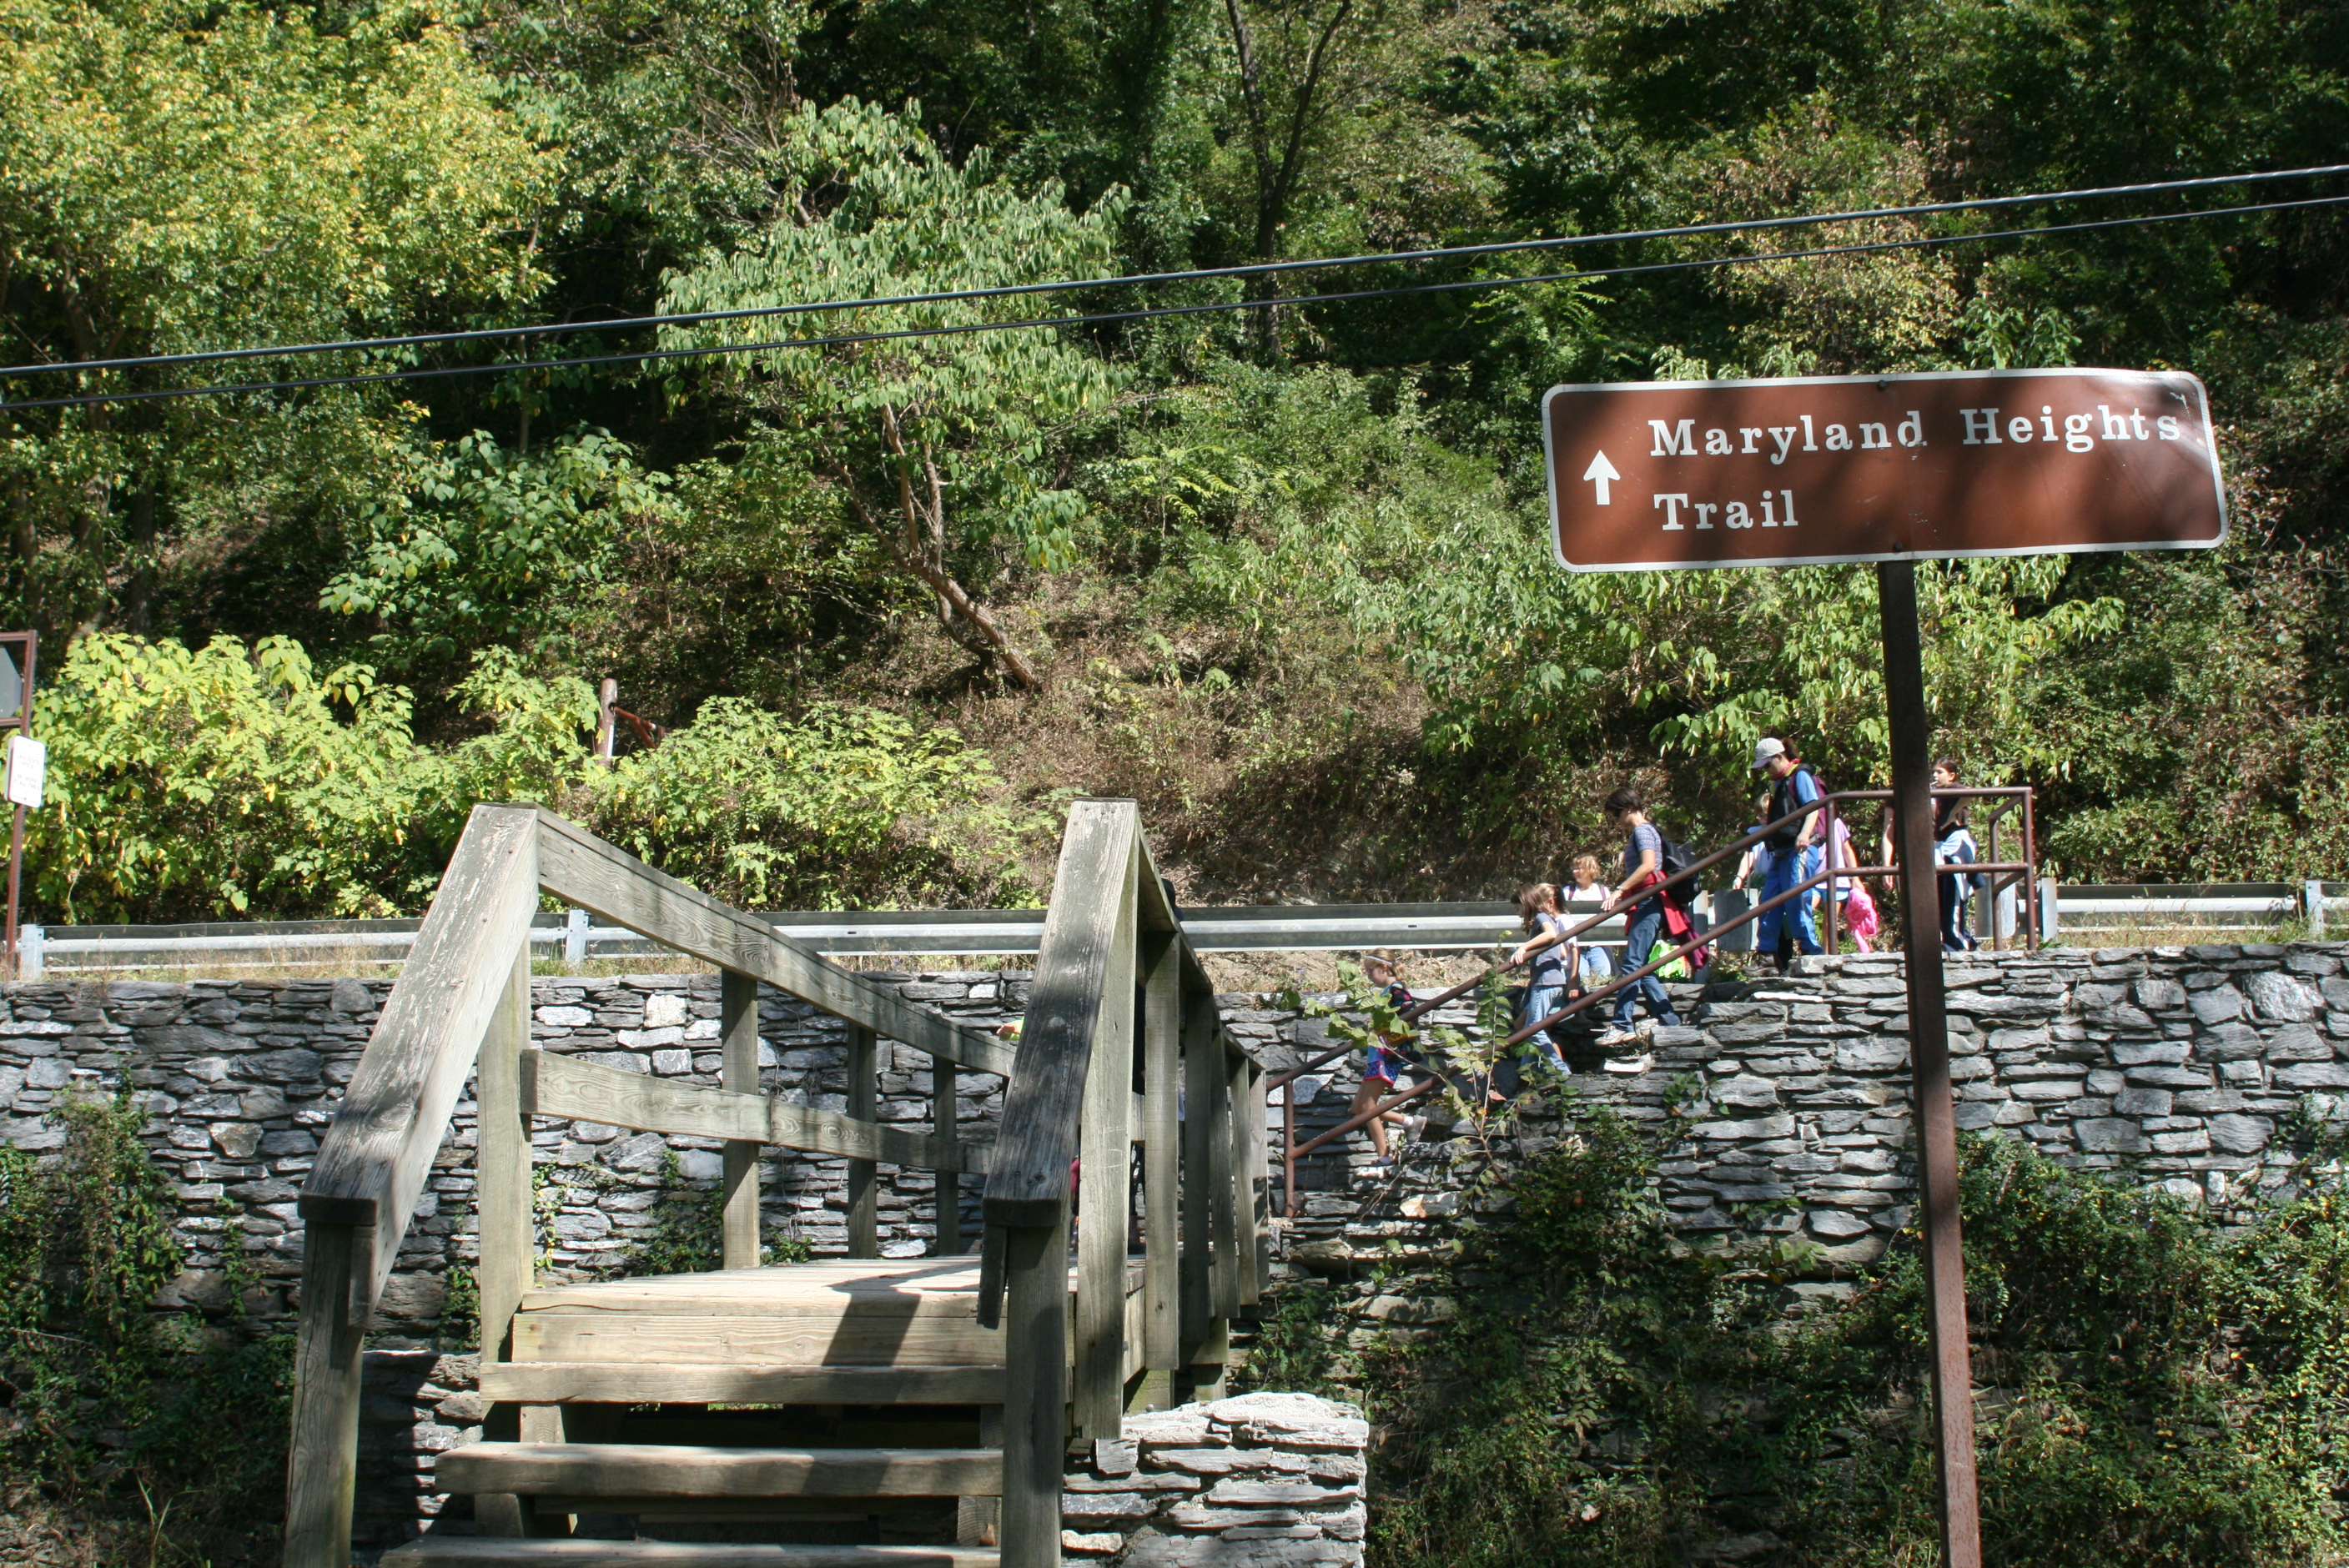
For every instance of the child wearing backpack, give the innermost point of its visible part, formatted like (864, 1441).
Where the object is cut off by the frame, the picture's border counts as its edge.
(1643, 917)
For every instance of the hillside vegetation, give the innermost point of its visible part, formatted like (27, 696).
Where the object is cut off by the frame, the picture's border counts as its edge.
(1281, 574)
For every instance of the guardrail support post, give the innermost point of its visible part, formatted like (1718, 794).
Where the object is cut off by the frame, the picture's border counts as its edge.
(575, 938)
(29, 941)
(2047, 923)
(2312, 904)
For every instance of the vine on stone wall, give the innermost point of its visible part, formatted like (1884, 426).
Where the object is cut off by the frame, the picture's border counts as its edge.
(128, 1433)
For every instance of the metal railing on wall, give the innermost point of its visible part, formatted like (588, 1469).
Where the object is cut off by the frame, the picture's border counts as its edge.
(2069, 910)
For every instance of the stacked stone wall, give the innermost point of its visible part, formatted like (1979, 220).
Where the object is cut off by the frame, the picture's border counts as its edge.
(1784, 1103)
(1260, 1480)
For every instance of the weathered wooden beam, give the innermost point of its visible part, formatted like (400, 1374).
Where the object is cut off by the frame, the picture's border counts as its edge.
(1203, 1058)
(1162, 1092)
(945, 1113)
(508, 1245)
(863, 1176)
(1036, 1388)
(1105, 1204)
(1255, 1191)
(691, 1383)
(322, 1458)
(1028, 1187)
(576, 866)
(667, 1469)
(378, 1152)
(738, 1035)
(555, 1085)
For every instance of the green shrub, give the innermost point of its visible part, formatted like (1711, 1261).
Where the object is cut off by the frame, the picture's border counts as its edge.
(2157, 1392)
(227, 781)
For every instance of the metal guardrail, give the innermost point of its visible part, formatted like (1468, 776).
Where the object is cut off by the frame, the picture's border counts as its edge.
(2078, 910)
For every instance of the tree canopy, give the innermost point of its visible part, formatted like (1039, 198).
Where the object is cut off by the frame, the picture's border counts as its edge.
(1280, 572)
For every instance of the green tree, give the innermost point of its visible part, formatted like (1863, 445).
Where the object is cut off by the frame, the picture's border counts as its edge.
(946, 451)
(187, 178)
(489, 545)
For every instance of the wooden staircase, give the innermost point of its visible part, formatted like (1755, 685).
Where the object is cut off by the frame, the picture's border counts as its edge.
(851, 1413)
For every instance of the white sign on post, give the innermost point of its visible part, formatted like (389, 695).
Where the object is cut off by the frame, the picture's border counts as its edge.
(28, 764)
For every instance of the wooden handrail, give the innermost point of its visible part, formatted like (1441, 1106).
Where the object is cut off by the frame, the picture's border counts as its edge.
(1117, 979)
(577, 866)
(1092, 889)
(378, 1149)
(464, 996)
(553, 1085)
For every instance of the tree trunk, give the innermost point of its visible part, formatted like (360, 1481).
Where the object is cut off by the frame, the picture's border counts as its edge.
(916, 541)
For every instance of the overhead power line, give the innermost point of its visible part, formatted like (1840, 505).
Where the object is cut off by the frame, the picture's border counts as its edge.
(1254, 269)
(648, 355)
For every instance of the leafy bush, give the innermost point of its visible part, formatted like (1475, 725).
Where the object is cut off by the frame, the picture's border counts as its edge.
(843, 807)
(224, 782)
(2159, 1393)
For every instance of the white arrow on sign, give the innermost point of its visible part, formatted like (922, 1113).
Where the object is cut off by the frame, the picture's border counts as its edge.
(1601, 470)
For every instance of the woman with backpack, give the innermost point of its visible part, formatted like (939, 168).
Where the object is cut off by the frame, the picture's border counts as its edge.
(1793, 853)
(1643, 922)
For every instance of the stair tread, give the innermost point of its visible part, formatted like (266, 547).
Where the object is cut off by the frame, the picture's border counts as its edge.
(494, 1552)
(889, 1286)
(663, 1382)
(680, 1469)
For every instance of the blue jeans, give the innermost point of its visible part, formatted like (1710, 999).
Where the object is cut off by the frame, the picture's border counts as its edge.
(1541, 1001)
(1647, 923)
(1957, 894)
(1788, 866)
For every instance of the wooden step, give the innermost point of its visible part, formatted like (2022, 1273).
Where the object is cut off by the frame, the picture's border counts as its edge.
(495, 1552)
(666, 1471)
(704, 1382)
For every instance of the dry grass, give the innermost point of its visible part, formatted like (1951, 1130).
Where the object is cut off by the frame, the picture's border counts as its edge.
(1285, 772)
(2163, 933)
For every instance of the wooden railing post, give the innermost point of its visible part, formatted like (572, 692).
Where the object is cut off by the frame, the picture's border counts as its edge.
(738, 1033)
(1161, 1084)
(322, 1462)
(1255, 1173)
(946, 1114)
(1106, 1200)
(466, 978)
(1203, 1058)
(506, 1245)
(1036, 1388)
(864, 1175)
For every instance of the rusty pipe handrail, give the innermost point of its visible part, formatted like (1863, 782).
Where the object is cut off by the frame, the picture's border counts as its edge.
(1824, 803)
(2021, 795)
(1295, 1151)
(1418, 1010)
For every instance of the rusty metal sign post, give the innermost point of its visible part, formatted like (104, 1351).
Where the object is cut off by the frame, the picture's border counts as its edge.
(1818, 469)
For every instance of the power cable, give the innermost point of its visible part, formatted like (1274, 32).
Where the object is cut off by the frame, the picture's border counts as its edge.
(1254, 269)
(648, 355)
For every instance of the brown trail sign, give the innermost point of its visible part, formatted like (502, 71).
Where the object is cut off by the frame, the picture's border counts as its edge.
(1815, 470)
(1880, 467)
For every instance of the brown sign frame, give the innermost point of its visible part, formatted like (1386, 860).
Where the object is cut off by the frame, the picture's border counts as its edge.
(1555, 464)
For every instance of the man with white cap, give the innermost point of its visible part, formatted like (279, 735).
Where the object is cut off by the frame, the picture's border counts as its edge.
(1794, 852)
